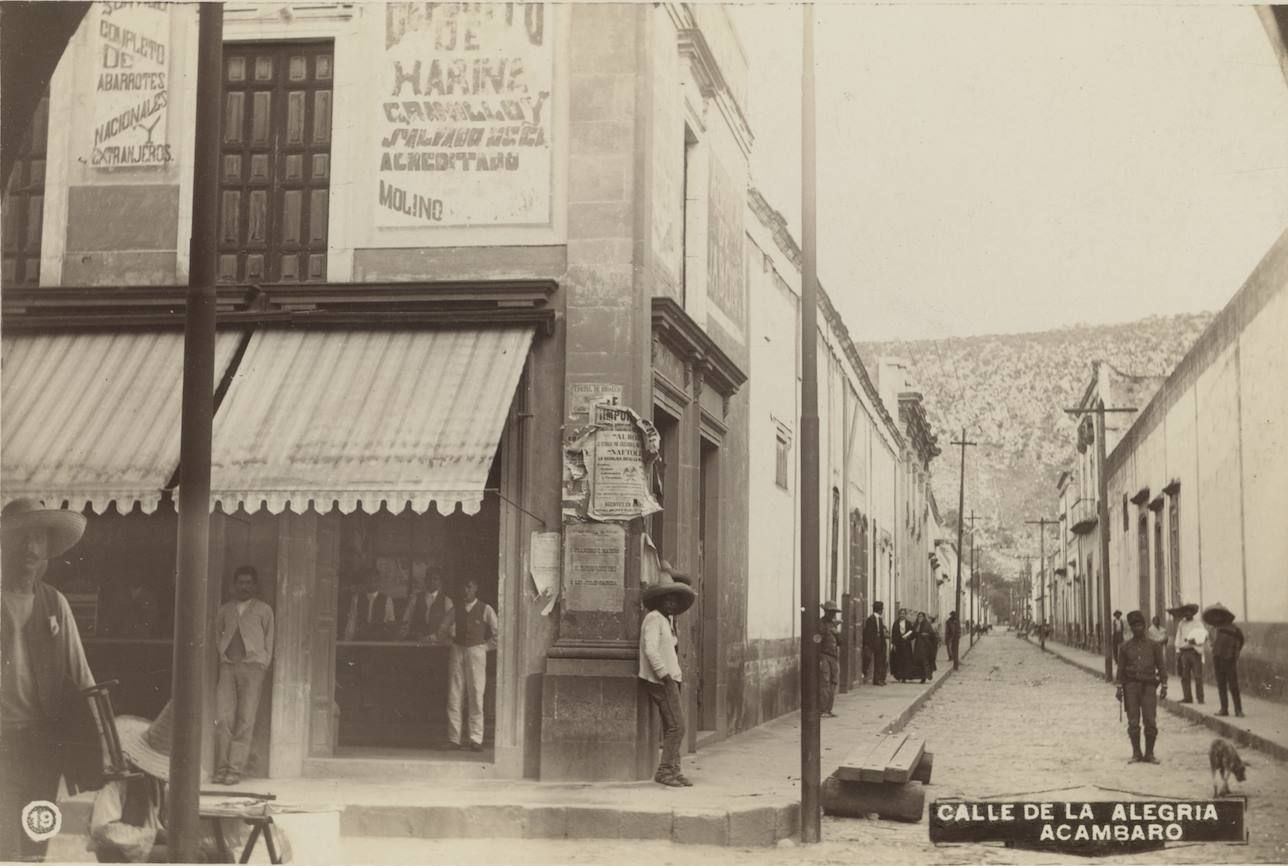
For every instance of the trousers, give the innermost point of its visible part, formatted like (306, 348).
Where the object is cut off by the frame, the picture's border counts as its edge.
(1190, 664)
(1227, 678)
(468, 667)
(1141, 700)
(236, 705)
(666, 697)
(829, 677)
(29, 770)
(875, 661)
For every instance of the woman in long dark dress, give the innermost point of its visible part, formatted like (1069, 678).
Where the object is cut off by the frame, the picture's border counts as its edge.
(923, 647)
(901, 636)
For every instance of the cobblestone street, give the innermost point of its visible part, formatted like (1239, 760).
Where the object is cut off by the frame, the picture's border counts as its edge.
(976, 725)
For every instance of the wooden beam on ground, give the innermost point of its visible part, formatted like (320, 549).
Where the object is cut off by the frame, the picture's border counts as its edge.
(900, 768)
(874, 766)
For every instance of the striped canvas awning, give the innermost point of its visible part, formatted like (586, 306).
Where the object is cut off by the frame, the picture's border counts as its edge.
(93, 418)
(355, 418)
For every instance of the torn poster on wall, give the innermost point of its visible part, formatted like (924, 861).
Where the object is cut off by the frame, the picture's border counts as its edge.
(608, 464)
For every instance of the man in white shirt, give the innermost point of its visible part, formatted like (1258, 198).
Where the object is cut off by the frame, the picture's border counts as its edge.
(473, 631)
(660, 668)
(244, 627)
(43, 670)
(1191, 637)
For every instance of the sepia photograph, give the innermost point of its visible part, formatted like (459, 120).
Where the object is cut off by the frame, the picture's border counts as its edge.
(632, 433)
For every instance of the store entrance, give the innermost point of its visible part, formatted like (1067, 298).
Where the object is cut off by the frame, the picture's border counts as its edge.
(402, 580)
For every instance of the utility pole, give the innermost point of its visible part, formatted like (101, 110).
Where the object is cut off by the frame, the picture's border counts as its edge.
(197, 415)
(974, 578)
(961, 507)
(811, 810)
(1102, 520)
(1043, 523)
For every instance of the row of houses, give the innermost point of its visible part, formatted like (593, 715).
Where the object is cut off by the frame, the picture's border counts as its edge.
(455, 240)
(1194, 472)
(1194, 476)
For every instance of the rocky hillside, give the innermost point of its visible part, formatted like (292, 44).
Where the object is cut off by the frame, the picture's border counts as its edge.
(1009, 391)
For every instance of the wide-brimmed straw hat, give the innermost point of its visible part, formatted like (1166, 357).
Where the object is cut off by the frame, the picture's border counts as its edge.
(64, 527)
(668, 585)
(147, 744)
(1184, 610)
(1218, 615)
(830, 606)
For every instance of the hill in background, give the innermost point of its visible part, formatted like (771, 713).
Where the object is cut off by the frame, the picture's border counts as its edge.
(1009, 392)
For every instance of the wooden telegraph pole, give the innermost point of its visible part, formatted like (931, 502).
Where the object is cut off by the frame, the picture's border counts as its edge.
(1043, 523)
(1102, 520)
(961, 506)
(811, 811)
(974, 579)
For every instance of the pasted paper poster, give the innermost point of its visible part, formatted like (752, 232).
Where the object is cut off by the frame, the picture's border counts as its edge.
(544, 559)
(619, 487)
(594, 567)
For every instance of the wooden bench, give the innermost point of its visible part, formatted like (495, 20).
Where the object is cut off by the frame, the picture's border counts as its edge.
(878, 776)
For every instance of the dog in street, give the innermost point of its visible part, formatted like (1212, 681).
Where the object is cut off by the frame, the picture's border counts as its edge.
(1225, 762)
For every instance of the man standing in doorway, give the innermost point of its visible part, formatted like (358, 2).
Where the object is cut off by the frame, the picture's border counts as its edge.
(429, 611)
(874, 645)
(1191, 637)
(829, 658)
(473, 632)
(244, 627)
(44, 668)
(1140, 669)
(371, 612)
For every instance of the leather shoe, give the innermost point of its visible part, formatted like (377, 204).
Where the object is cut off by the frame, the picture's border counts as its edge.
(476, 747)
(1222, 712)
(669, 780)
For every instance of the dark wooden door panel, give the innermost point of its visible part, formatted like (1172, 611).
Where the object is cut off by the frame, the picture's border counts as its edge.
(23, 212)
(277, 162)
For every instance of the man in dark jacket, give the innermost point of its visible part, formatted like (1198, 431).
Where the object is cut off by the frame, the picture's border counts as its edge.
(953, 636)
(874, 645)
(43, 718)
(1227, 643)
(1140, 669)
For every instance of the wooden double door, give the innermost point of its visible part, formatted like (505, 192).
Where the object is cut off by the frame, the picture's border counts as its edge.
(275, 165)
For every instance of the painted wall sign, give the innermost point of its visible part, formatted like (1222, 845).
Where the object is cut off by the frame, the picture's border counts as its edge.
(594, 567)
(619, 486)
(583, 395)
(464, 115)
(131, 85)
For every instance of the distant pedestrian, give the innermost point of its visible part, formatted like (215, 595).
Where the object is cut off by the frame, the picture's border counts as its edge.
(953, 636)
(1156, 632)
(660, 668)
(936, 641)
(923, 647)
(46, 732)
(1191, 638)
(829, 658)
(1227, 644)
(1140, 669)
(874, 645)
(901, 664)
(1117, 635)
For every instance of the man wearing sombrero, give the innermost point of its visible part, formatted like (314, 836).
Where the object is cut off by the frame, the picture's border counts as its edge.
(660, 667)
(44, 669)
(1191, 637)
(1227, 643)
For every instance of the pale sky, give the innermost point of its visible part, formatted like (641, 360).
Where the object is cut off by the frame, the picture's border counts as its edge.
(1008, 168)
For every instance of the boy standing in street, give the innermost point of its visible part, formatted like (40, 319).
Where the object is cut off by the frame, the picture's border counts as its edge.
(1140, 669)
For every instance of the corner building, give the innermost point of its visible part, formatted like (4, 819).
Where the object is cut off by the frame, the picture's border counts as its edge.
(441, 227)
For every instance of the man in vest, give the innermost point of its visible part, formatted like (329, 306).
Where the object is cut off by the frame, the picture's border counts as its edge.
(245, 633)
(44, 669)
(473, 632)
(429, 611)
(371, 612)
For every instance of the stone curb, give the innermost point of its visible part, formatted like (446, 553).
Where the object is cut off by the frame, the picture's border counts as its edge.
(1216, 723)
(903, 718)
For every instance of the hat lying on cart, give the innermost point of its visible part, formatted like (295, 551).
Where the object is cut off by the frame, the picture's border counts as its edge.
(65, 527)
(667, 584)
(1218, 615)
(1184, 610)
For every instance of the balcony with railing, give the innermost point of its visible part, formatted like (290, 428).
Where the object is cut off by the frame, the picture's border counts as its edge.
(1082, 516)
